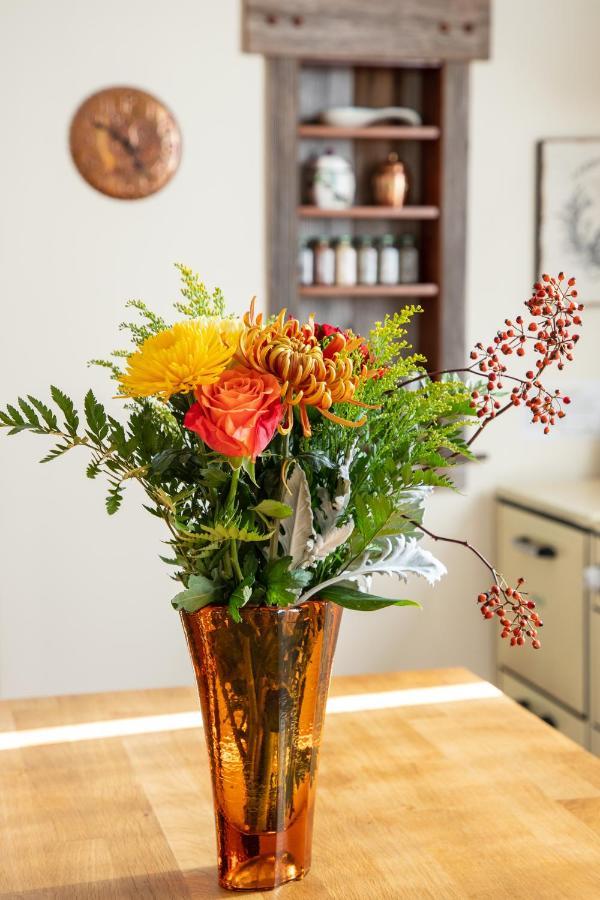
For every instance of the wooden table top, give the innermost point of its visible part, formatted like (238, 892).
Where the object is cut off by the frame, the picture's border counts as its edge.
(428, 797)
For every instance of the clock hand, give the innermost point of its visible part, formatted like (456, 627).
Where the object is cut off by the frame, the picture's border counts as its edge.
(124, 142)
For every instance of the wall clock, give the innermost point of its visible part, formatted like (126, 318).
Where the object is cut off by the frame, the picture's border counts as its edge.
(125, 143)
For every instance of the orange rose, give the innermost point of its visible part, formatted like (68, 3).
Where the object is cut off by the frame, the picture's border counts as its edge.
(239, 413)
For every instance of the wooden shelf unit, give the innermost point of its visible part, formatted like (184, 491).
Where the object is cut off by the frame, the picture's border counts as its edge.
(363, 290)
(435, 155)
(409, 53)
(412, 53)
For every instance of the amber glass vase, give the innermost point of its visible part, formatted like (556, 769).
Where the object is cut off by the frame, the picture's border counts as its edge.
(263, 686)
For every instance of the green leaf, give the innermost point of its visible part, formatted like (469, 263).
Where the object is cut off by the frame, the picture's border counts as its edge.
(240, 597)
(95, 415)
(279, 596)
(56, 452)
(44, 411)
(93, 470)
(232, 533)
(161, 461)
(316, 460)
(249, 467)
(200, 592)
(273, 509)
(67, 407)
(16, 417)
(114, 499)
(282, 583)
(30, 414)
(17, 429)
(350, 598)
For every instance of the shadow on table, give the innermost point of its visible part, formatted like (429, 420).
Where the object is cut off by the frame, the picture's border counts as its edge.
(196, 883)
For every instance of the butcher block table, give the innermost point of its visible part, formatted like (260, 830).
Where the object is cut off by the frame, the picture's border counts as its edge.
(432, 784)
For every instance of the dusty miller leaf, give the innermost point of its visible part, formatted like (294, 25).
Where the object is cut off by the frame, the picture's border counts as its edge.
(326, 543)
(389, 556)
(297, 530)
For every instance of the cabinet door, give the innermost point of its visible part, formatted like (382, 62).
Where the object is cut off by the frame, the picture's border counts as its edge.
(551, 557)
(551, 713)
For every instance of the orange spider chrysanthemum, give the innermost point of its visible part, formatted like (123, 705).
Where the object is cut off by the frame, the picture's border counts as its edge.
(292, 353)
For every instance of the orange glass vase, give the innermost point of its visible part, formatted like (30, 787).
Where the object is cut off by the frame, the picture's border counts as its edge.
(263, 685)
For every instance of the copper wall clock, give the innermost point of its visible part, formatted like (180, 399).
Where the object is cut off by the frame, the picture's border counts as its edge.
(125, 143)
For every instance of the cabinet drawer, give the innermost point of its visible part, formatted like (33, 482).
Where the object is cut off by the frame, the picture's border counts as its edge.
(551, 557)
(550, 712)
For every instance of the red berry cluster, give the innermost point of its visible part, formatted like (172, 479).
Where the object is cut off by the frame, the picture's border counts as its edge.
(515, 610)
(553, 313)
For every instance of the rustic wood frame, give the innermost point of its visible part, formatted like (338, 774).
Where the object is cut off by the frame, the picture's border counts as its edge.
(294, 34)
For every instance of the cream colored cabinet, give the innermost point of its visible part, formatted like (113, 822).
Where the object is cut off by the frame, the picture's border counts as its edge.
(552, 558)
(551, 537)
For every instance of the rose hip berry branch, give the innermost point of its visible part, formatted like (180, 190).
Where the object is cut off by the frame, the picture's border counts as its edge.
(501, 599)
(553, 310)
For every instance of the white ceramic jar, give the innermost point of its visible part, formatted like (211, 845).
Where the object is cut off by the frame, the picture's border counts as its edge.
(332, 182)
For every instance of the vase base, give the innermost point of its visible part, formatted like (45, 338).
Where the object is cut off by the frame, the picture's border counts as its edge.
(263, 873)
(263, 861)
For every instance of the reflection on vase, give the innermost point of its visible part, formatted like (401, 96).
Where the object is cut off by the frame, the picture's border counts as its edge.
(263, 687)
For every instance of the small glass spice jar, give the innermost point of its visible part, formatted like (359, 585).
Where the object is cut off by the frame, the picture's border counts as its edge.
(306, 263)
(389, 260)
(409, 260)
(324, 262)
(345, 262)
(367, 261)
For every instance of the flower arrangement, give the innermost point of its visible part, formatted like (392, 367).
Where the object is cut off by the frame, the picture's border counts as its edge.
(292, 460)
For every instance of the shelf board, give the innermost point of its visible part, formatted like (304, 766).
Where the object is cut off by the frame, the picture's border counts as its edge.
(370, 212)
(363, 290)
(373, 132)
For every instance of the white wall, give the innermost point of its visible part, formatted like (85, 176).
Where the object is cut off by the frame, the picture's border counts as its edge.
(83, 598)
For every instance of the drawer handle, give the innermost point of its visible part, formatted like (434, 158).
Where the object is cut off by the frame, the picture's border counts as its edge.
(535, 548)
(548, 719)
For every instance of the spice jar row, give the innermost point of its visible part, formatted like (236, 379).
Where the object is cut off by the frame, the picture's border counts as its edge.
(364, 260)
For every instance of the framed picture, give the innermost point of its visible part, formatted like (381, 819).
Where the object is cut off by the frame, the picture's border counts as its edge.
(568, 234)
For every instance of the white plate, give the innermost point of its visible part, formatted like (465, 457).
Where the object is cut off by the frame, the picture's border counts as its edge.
(361, 116)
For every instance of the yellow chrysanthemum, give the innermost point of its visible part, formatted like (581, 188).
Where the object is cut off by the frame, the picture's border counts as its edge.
(177, 360)
(292, 353)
